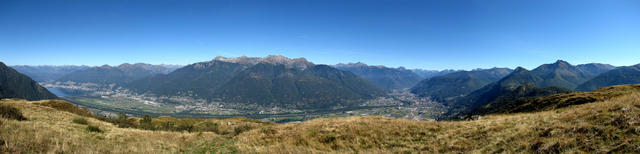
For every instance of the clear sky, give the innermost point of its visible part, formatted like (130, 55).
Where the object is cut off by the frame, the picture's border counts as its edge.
(429, 34)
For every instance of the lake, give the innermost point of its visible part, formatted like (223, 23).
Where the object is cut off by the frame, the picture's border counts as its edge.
(58, 92)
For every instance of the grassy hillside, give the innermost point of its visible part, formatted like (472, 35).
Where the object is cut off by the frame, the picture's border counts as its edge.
(601, 127)
(533, 104)
(52, 127)
(607, 125)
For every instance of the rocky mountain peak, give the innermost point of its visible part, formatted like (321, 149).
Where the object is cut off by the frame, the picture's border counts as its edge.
(561, 64)
(520, 69)
(298, 63)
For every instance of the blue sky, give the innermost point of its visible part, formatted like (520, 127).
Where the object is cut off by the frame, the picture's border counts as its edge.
(429, 34)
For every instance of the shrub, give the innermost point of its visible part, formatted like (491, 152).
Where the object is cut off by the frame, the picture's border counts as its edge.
(241, 128)
(94, 129)
(123, 121)
(11, 112)
(82, 121)
(185, 127)
(168, 126)
(209, 126)
(66, 106)
(146, 123)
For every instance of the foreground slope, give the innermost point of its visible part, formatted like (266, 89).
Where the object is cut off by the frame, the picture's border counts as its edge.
(16, 85)
(51, 127)
(602, 127)
(51, 131)
(611, 125)
(547, 101)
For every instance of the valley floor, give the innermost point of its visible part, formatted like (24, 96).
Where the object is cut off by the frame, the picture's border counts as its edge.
(606, 126)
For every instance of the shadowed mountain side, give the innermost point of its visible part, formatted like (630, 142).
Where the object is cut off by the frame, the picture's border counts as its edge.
(16, 85)
(618, 76)
(452, 85)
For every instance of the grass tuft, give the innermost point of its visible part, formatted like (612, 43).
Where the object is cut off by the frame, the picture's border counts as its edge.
(81, 121)
(11, 112)
(94, 129)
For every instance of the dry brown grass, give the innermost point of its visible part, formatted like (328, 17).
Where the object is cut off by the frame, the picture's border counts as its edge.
(224, 126)
(65, 106)
(612, 125)
(49, 130)
(602, 127)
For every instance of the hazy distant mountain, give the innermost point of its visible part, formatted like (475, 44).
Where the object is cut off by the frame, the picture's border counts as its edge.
(16, 85)
(618, 76)
(595, 69)
(384, 77)
(270, 81)
(120, 75)
(199, 79)
(47, 73)
(432, 73)
(458, 84)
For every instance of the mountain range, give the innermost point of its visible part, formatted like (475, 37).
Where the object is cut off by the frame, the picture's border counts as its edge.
(425, 74)
(547, 79)
(618, 76)
(297, 83)
(270, 81)
(384, 77)
(119, 75)
(518, 83)
(458, 84)
(47, 73)
(563, 74)
(16, 85)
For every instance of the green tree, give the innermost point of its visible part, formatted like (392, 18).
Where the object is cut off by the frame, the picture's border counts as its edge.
(146, 123)
(123, 121)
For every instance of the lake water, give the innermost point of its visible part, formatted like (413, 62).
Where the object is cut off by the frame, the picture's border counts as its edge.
(57, 92)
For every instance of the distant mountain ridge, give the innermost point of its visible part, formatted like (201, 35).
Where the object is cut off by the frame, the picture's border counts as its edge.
(618, 76)
(547, 79)
(425, 74)
(16, 85)
(384, 77)
(563, 74)
(119, 75)
(458, 84)
(270, 81)
(47, 73)
(595, 69)
(506, 88)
